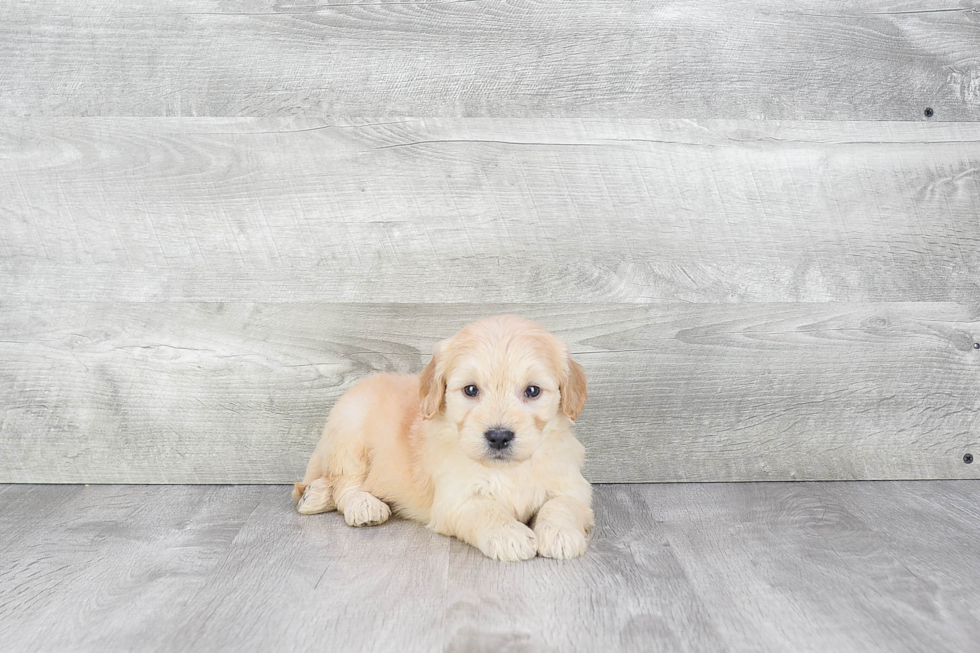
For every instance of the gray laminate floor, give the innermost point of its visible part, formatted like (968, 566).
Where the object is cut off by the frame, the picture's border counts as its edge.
(867, 566)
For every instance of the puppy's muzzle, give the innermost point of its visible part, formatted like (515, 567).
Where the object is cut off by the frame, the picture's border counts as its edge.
(498, 438)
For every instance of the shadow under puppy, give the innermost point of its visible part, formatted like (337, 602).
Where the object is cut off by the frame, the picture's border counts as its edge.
(478, 446)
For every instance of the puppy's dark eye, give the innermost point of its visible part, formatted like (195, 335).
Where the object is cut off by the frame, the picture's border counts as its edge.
(532, 391)
(471, 391)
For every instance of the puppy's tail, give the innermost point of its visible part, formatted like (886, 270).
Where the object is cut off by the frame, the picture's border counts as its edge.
(298, 490)
(314, 497)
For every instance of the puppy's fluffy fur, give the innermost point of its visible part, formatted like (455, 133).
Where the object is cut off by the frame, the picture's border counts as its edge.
(423, 447)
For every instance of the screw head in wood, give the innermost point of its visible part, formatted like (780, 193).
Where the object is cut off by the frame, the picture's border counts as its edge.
(968, 458)
(928, 112)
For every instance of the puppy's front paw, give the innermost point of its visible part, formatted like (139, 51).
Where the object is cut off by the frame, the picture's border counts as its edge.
(555, 542)
(364, 509)
(511, 543)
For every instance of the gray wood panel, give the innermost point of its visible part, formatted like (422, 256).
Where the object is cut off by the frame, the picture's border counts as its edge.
(25, 507)
(630, 595)
(807, 59)
(845, 567)
(225, 393)
(116, 560)
(788, 567)
(425, 210)
(927, 524)
(398, 599)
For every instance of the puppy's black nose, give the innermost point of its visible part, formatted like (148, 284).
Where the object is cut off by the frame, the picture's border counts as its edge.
(498, 438)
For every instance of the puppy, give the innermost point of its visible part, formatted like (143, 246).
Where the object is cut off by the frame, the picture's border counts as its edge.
(479, 446)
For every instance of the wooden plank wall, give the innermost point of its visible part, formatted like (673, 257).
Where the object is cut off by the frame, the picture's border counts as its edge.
(216, 216)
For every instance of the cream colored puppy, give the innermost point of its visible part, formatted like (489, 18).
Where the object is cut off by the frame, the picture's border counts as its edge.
(478, 446)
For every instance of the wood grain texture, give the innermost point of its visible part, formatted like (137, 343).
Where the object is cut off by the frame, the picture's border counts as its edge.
(630, 595)
(431, 210)
(773, 60)
(950, 512)
(25, 507)
(788, 567)
(230, 393)
(182, 298)
(108, 564)
(395, 601)
(845, 567)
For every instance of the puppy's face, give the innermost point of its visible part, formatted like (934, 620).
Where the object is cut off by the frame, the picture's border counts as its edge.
(501, 381)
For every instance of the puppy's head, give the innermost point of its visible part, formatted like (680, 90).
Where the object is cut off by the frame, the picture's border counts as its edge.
(501, 381)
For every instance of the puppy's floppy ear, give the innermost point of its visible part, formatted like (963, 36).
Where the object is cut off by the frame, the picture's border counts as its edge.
(432, 385)
(573, 391)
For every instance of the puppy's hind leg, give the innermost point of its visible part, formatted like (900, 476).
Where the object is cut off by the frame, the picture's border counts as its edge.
(314, 497)
(362, 508)
(359, 507)
(341, 462)
(348, 467)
